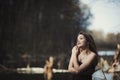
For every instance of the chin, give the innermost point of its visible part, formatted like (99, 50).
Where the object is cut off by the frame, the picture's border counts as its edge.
(80, 46)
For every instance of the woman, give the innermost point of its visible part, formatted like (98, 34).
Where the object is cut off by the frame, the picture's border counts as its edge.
(84, 57)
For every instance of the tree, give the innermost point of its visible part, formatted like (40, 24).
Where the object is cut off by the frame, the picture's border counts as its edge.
(40, 26)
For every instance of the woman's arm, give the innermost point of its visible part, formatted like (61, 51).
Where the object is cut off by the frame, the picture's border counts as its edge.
(70, 66)
(86, 64)
(73, 65)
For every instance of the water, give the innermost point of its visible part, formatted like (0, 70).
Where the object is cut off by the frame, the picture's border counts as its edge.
(106, 53)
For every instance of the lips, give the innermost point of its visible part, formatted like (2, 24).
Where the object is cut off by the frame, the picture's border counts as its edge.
(78, 44)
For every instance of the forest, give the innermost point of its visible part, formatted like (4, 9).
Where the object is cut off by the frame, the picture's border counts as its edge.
(33, 30)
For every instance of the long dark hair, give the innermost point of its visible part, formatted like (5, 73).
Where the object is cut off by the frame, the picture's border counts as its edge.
(90, 41)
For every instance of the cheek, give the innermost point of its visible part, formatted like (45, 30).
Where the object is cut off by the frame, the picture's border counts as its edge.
(84, 42)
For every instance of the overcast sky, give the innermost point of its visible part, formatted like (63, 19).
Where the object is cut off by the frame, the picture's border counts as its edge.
(106, 15)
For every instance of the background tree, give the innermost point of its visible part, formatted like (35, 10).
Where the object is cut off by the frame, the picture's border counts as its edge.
(105, 42)
(36, 27)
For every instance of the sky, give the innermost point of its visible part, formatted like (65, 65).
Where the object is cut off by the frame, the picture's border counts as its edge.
(106, 15)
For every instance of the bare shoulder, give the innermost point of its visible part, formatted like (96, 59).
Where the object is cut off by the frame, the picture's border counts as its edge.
(94, 58)
(92, 54)
(91, 58)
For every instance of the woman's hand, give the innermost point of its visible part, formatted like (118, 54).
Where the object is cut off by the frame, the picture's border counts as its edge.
(75, 50)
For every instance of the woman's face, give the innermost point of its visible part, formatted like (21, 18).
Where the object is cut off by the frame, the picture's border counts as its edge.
(81, 41)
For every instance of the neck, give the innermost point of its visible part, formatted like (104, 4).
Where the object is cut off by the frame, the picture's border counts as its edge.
(84, 49)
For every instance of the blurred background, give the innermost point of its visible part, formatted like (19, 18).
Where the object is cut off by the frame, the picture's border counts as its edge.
(33, 30)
